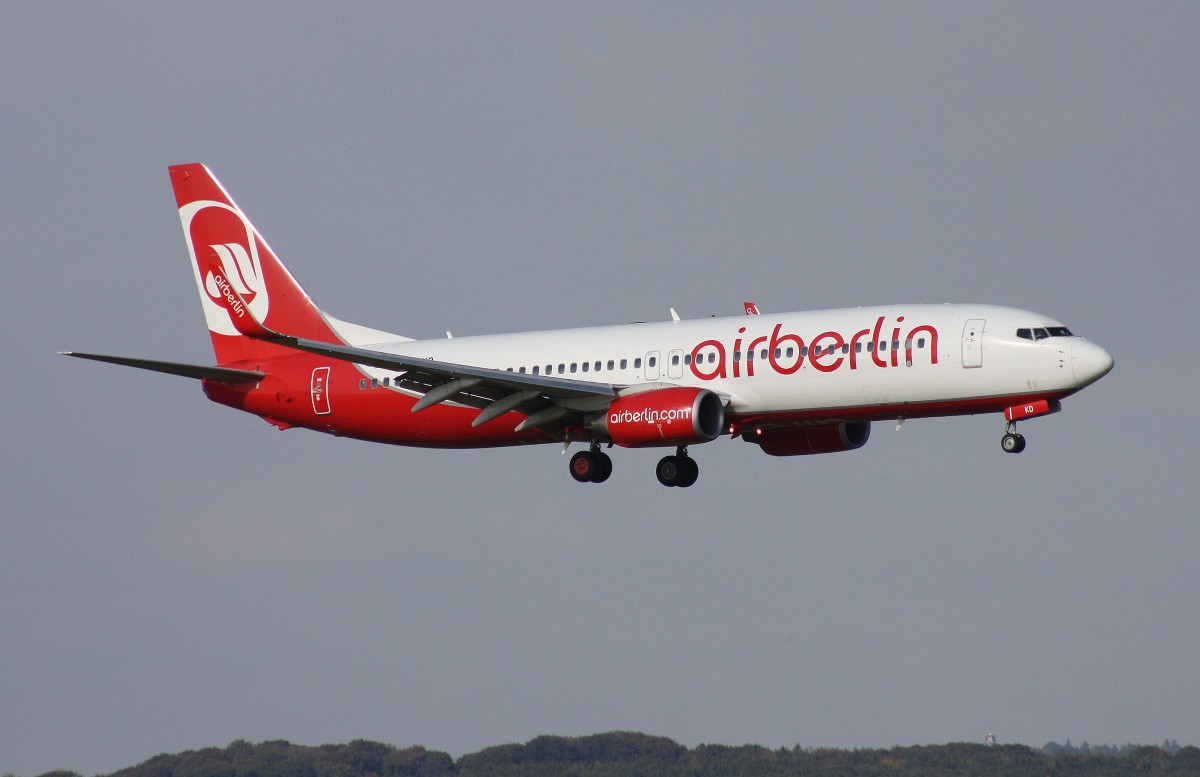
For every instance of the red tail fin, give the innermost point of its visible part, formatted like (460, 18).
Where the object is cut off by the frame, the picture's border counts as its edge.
(219, 235)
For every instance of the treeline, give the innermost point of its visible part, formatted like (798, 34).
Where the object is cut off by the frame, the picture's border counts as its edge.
(624, 754)
(1169, 745)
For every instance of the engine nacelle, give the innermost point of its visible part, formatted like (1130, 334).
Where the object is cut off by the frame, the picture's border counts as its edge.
(805, 440)
(661, 417)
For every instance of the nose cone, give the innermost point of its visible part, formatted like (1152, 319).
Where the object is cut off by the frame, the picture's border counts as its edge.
(1089, 362)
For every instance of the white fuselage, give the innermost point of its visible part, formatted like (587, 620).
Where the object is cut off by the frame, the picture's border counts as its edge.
(921, 357)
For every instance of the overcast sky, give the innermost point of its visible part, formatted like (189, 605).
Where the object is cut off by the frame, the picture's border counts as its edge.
(176, 575)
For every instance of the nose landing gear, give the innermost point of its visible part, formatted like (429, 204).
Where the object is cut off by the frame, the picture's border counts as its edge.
(1012, 442)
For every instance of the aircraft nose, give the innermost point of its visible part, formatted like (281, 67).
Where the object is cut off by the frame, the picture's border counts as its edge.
(1089, 362)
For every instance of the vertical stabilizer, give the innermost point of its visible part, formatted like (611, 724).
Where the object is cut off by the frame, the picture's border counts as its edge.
(218, 234)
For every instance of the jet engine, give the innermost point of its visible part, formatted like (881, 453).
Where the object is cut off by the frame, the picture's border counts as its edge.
(662, 417)
(805, 440)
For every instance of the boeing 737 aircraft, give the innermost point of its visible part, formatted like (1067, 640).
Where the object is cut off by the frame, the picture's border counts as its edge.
(792, 384)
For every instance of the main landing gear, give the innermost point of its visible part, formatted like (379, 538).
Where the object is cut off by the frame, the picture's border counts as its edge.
(594, 466)
(678, 470)
(591, 466)
(1012, 442)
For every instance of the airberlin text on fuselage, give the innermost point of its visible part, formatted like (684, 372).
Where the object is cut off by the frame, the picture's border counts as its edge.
(826, 352)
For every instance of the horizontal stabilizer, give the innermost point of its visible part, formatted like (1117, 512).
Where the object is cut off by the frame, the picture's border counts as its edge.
(218, 374)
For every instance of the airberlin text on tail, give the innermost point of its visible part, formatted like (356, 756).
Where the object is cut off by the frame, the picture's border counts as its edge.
(221, 288)
(242, 284)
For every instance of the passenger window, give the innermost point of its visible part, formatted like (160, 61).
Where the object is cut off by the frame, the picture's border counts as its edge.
(535, 369)
(522, 370)
(585, 367)
(637, 363)
(623, 363)
(597, 365)
(610, 364)
(845, 347)
(687, 358)
(871, 347)
(778, 352)
(883, 345)
(362, 384)
(652, 361)
(858, 347)
(374, 383)
(790, 351)
(737, 356)
(908, 343)
(387, 382)
(920, 342)
(573, 366)
(562, 368)
(675, 360)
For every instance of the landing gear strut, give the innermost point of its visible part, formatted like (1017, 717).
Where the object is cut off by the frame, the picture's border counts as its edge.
(1012, 442)
(591, 466)
(678, 470)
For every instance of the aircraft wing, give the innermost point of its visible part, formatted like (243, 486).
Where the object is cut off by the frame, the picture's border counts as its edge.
(544, 398)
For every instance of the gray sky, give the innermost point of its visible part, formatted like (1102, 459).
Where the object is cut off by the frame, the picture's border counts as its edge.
(176, 575)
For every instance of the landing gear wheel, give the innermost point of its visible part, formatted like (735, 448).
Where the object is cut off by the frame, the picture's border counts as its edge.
(678, 471)
(1012, 443)
(584, 466)
(691, 471)
(591, 466)
(668, 471)
(603, 467)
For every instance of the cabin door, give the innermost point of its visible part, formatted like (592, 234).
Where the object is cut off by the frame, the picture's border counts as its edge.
(972, 343)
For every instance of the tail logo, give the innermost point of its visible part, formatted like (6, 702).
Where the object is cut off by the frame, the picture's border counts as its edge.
(240, 272)
(218, 228)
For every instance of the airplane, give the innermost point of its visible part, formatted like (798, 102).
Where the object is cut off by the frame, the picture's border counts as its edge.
(793, 384)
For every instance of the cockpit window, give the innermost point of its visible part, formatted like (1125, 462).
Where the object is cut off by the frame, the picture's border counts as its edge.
(1041, 333)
